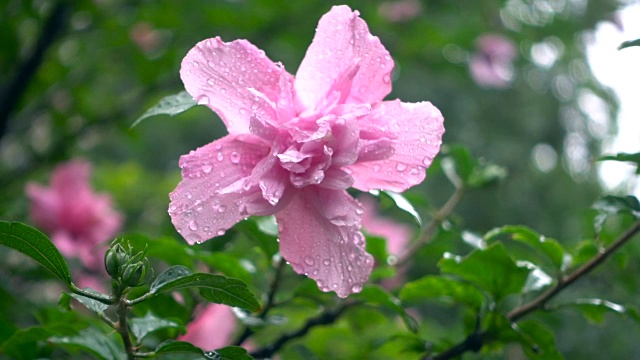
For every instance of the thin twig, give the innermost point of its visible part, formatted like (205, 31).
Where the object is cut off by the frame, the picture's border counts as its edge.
(270, 304)
(432, 226)
(101, 298)
(327, 317)
(476, 340)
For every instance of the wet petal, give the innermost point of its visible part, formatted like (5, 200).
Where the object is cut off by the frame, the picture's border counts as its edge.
(417, 129)
(199, 208)
(236, 80)
(320, 237)
(343, 56)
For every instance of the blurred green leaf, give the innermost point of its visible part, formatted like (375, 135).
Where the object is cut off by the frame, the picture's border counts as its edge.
(374, 294)
(215, 288)
(442, 288)
(23, 343)
(377, 247)
(227, 264)
(177, 347)
(548, 247)
(491, 268)
(141, 327)
(94, 341)
(611, 205)
(629, 43)
(267, 242)
(584, 252)
(91, 304)
(537, 342)
(231, 353)
(401, 202)
(170, 105)
(36, 245)
(594, 310)
(537, 278)
(463, 169)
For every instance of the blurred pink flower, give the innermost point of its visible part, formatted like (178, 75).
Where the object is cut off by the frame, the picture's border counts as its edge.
(399, 11)
(76, 218)
(492, 64)
(296, 144)
(212, 328)
(396, 233)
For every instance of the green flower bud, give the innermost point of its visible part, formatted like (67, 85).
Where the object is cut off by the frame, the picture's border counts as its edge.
(114, 259)
(135, 273)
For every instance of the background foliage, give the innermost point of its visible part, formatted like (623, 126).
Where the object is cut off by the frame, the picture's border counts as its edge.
(74, 76)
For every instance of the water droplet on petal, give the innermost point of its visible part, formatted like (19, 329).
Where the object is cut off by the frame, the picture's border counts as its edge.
(376, 168)
(220, 232)
(349, 268)
(207, 168)
(235, 157)
(315, 272)
(309, 261)
(386, 79)
(193, 238)
(189, 196)
(222, 209)
(206, 229)
(401, 167)
(195, 63)
(356, 288)
(211, 82)
(203, 100)
(220, 157)
(426, 161)
(326, 262)
(193, 226)
(334, 285)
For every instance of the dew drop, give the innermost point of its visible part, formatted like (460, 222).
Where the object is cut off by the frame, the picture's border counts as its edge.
(243, 111)
(315, 272)
(220, 232)
(401, 167)
(222, 209)
(309, 261)
(426, 161)
(386, 79)
(207, 168)
(193, 226)
(220, 157)
(349, 268)
(223, 90)
(195, 63)
(193, 238)
(326, 262)
(376, 168)
(189, 196)
(206, 229)
(235, 157)
(334, 285)
(356, 288)
(211, 82)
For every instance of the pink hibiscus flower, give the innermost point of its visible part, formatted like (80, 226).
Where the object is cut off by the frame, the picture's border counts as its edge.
(296, 144)
(492, 65)
(212, 328)
(76, 218)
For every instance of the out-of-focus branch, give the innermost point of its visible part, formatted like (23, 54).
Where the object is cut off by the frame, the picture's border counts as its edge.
(325, 318)
(12, 93)
(432, 226)
(476, 340)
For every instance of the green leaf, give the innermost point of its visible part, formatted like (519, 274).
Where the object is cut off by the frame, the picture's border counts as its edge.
(462, 169)
(227, 264)
(491, 268)
(94, 341)
(174, 347)
(401, 202)
(442, 288)
(629, 43)
(548, 247)
(612, 205)
(141, 327)
(374, 294)
(36, 245)
(231, 353)
(215, 288)
(23, 343)
(172, 273)
(594, 310)
(537, 342)
(91, 304)
(170, 105)
(265, 239)
(537, 278)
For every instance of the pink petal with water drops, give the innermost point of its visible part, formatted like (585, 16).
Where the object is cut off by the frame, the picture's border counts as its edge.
(236, 80)
(344, 57)
(215, 191)
(418, 129)
(320, 237)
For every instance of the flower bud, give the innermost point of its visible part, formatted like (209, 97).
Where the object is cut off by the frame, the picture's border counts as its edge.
(135, 273)
(114, 259)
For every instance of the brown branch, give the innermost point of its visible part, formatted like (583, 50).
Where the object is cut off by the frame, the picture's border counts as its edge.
(475, 341)
(431, 228)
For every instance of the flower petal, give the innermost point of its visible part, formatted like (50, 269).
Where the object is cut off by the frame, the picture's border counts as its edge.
(344, 57)
(211, 197)
(417, 134)
(236, 80)
(320, 237)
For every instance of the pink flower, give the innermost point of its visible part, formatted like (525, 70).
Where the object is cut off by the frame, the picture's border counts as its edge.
(212, 328)
(400, 11)
(76, 218)
(492, 65)
(397, 234)
(296, 144)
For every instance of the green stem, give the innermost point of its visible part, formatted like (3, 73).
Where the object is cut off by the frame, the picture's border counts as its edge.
(107, 300)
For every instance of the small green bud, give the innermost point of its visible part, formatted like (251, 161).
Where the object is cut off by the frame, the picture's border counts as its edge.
(114, 259)
(135, 273)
